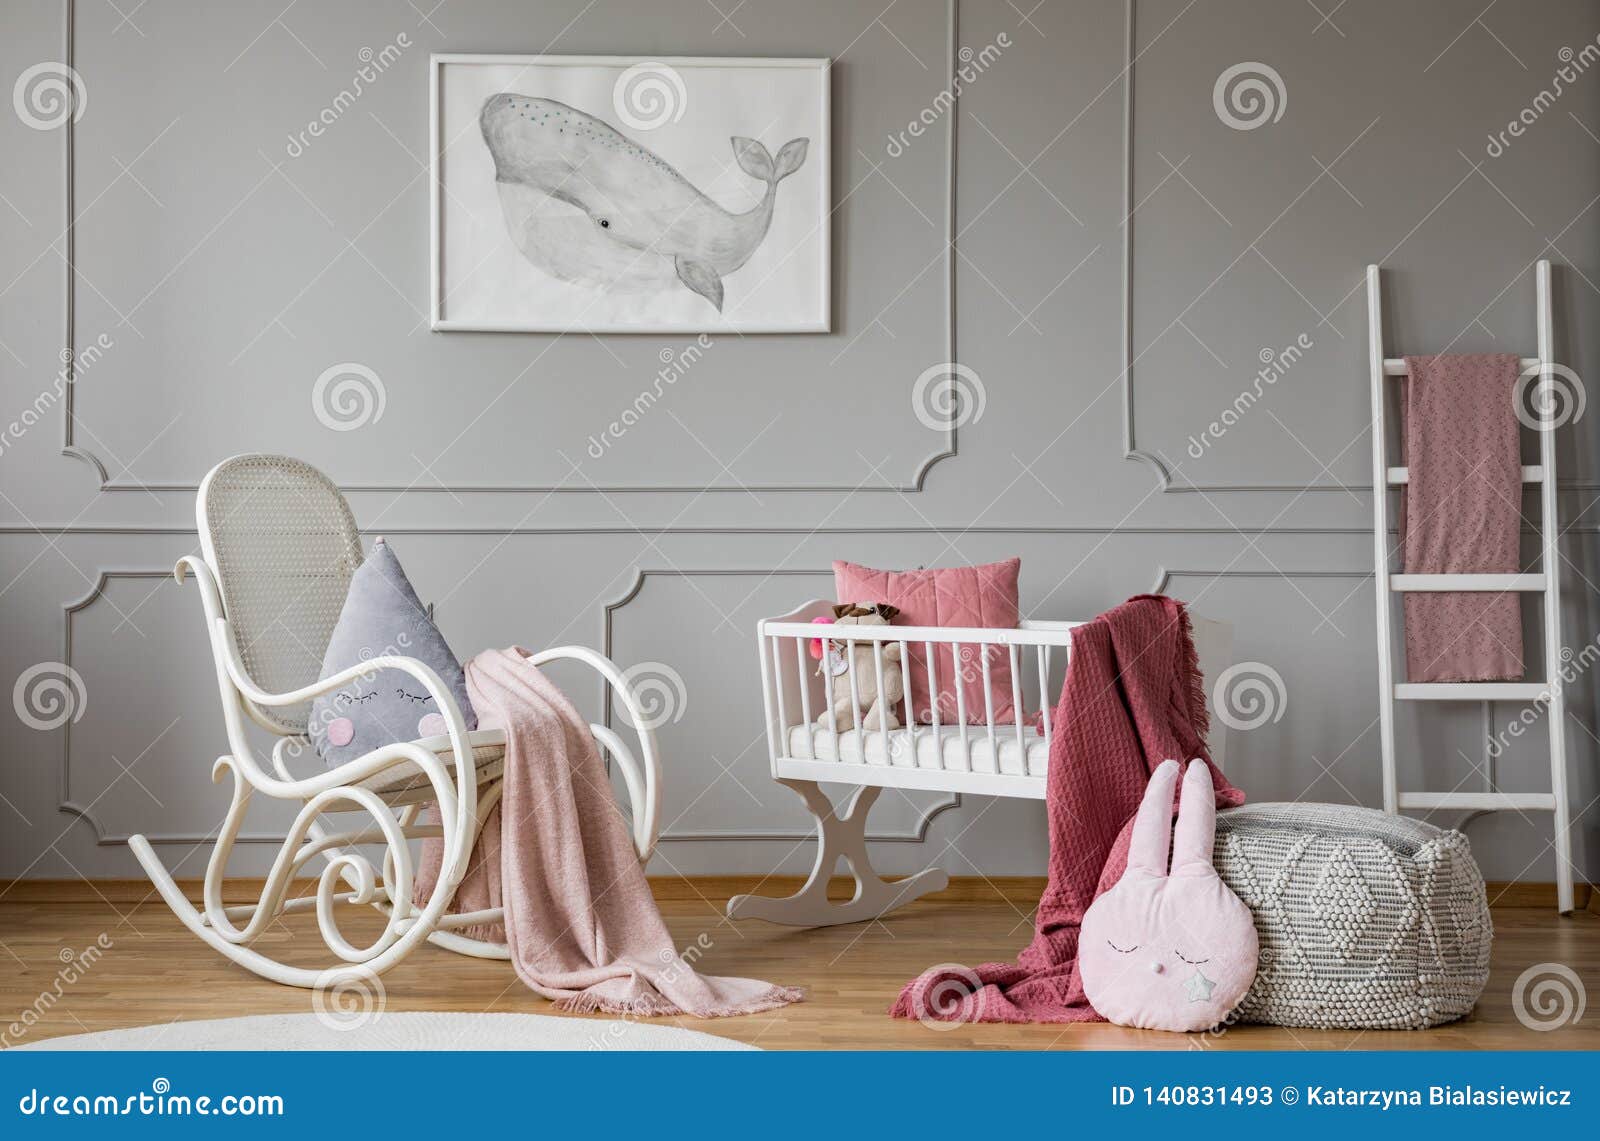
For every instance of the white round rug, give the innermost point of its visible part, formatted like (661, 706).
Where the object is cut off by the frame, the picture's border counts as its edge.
(398, 1030)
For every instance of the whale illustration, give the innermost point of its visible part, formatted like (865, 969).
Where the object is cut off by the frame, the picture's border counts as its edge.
(587, 205)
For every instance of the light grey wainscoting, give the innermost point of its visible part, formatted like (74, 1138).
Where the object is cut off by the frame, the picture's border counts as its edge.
(1128, 210)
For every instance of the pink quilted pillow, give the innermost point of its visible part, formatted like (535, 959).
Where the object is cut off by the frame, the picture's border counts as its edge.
(948, 596)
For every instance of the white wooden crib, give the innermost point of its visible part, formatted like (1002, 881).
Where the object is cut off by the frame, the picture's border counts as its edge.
(947, 754)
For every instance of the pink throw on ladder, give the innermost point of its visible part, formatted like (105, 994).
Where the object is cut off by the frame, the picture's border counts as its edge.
(1461, 513)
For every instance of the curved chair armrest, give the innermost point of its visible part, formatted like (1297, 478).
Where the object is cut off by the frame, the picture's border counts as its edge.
(357, 770)
(232, 673)
(281, 751)
(642, 777)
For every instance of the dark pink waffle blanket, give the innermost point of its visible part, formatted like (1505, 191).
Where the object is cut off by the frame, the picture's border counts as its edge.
(1133, 698)
(1461, 513)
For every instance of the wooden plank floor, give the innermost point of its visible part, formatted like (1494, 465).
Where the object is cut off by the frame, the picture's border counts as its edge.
(155, 972)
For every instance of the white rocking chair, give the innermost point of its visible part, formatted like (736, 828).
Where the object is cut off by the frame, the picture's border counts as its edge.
(279, 547)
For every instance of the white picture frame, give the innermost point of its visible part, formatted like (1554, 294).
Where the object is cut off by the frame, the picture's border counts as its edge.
(629, 224)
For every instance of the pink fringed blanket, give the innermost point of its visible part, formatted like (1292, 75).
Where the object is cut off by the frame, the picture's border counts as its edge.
(1462, 514)
(582, 925)
(1133, 698)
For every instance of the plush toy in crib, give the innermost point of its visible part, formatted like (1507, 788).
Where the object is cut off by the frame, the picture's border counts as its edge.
(1169, 951)
(878, 707)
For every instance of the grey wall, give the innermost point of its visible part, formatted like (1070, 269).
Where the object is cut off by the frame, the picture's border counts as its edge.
(225, 276)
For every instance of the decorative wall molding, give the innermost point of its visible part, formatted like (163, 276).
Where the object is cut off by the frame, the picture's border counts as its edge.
(55, 529)
(1131, 450)
(73, 806)
(103, 837)
(67, 802)
(71, 447)
(1130, 447)
(1164, 576)
(917, 835)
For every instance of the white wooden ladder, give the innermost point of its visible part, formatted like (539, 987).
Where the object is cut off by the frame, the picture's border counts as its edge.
(1548, 583)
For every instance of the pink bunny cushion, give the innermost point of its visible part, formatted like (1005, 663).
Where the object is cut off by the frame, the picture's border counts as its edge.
(1169, 951)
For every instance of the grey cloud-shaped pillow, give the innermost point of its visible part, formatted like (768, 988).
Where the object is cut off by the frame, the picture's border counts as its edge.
(383, 616)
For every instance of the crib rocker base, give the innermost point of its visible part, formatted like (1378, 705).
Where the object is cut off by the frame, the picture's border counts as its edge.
(839, 836)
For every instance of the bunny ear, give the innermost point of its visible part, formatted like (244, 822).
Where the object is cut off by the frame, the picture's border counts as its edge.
(1197, 820)
(1152, 827)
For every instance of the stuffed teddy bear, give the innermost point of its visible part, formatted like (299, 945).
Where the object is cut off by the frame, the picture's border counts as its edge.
(879, 707)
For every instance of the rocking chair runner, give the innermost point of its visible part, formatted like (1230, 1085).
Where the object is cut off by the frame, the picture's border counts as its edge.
(279, 546)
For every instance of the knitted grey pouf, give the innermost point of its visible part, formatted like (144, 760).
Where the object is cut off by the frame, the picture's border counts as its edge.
(1366, 920)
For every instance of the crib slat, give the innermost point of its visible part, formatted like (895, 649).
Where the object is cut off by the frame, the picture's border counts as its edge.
(775, 746)
(827, 685)
(1044, 687)
(960, 681)
(805, 696)
(908, 720)
(883, 713)
(777, 685)
(1016, 708)
(905, 687)
(933, 704)
(988, 707)
(855, 702)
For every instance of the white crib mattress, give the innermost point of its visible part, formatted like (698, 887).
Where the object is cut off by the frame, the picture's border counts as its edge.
(916, 748)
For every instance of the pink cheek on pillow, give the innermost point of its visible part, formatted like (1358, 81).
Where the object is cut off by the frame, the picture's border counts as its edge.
(341, 732)
(431, 725)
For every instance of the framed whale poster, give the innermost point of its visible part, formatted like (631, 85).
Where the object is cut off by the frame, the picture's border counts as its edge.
(604, 194)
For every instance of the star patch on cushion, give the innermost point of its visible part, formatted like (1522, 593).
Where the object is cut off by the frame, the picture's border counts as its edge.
(1199, 987)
